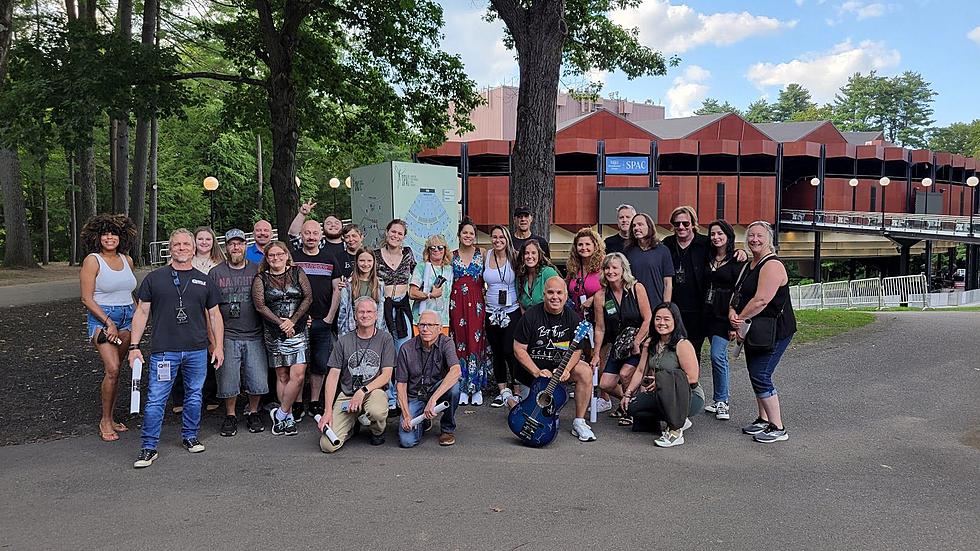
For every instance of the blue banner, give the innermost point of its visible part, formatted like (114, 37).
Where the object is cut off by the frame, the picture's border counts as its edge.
(627, 165)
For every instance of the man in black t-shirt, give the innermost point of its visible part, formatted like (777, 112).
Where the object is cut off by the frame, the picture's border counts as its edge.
(320, 268)
(353, 237)
(522, 232)
(330, 240)
(616, 243)
(180, 301)
(541, 339)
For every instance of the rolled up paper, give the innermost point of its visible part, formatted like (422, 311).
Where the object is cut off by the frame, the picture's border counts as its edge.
(440, 407)
(134, 389)
(331, 435)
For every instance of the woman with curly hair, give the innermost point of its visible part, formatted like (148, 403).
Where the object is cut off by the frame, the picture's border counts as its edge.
(207, 253)
(584, 262)
(107, 284)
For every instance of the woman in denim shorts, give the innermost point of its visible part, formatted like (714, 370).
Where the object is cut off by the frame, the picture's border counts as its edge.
(107, 282)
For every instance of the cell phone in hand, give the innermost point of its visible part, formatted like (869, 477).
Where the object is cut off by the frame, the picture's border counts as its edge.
(439, 281)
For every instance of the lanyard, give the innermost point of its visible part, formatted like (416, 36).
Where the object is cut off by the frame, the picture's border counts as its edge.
(180, 292)
(425, 360)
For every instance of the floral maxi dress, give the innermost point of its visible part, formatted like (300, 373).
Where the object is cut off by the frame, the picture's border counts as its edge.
(466, 322)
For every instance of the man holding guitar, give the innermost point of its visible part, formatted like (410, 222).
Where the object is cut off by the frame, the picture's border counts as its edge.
(541, 339)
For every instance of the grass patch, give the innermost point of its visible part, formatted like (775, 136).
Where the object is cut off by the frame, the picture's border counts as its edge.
(817, 325)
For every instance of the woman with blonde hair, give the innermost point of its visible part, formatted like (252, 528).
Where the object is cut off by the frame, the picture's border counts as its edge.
(207, 253)
(107, 285)
(282, 295)
(622, 320)
(363, 282)
(431, 280)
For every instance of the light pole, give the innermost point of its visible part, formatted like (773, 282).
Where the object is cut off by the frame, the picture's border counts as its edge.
(883, 181)
(853, 182)
(815, 182)
(210, 185)
(972, 182)
(348, 183)
(334, 184)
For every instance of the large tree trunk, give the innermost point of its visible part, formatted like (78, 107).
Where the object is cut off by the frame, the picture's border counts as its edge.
(17, 242)
(539, 37)
(85, 177)
(45, 230)
(153, 180)
(137, 208)
(120, 189)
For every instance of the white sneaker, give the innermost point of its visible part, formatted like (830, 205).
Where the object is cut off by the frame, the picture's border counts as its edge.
(722, 411)
(464, 399)
(602, 405)
(670, 438)
(477, 398)
(687, 424)
(582, 431)
(711, 408)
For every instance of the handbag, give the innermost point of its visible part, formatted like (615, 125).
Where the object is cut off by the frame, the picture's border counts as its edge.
(761, 336)
(623, 345)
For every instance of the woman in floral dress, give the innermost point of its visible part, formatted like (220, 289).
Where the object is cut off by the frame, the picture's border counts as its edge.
(466, 315)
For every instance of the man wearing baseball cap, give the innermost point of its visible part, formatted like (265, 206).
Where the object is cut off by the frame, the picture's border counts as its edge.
(244, 351)
(522, 232)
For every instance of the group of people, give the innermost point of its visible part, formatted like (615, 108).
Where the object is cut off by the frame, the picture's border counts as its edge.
(374, 334)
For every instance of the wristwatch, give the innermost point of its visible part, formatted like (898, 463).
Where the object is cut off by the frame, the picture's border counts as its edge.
(365, 390)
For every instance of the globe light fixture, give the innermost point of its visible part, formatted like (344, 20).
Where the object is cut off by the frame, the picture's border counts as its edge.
(853, 182)
(972, 181)
(334, 183)
(347, 182)
(210, 183)
(926, 182)
(884, 180)
(814, 181)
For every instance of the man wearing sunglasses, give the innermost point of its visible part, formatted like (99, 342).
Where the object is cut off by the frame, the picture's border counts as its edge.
(691, 252)
(427, 372)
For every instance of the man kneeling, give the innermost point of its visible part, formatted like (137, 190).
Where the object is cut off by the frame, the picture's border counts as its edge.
(362, 361)
(427, 372)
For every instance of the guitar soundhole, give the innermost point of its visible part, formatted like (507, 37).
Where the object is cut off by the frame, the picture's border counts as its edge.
(544, 400)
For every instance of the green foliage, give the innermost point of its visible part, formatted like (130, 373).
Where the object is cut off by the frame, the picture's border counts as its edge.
(792, 101)
(814, 113)
(760, 111)
(959, 137)
(710, 106)
(817, 325)
(901, 106)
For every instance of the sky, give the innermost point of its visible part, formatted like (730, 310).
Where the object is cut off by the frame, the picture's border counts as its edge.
(741, 51)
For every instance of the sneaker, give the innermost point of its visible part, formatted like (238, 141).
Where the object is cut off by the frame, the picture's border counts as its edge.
(211, 406)
(687, 424)
(299, 412)
(712, 407)
(278, 427)
(230, 426)
(290, 427)
(145, 458)
(254, 422)
(316, 409)
(670, 438)
(582, 431)
(426, 425)
(477, 398)
(602, 405)
(193, 445)
(464, 399)
(771, 434)
(721, 411)
(756, 427)
(498, 401)
(377, 439)
(447, 439)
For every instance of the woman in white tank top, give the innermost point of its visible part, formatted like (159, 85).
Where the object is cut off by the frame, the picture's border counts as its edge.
(107, 285)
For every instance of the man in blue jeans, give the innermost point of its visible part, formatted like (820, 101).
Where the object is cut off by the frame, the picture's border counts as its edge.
(181, 302)
(427, 372)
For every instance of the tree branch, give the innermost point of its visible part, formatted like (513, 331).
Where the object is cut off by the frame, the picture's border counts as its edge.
(215, 76)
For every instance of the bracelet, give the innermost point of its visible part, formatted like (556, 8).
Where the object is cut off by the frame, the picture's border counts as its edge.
(134, 347)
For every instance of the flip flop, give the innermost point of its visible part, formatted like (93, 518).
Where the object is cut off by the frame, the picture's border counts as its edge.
(626, 421)
(108, 436)
(616, 413)
(119, 427)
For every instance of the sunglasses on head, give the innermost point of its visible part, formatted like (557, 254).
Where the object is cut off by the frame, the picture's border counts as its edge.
(681, 224)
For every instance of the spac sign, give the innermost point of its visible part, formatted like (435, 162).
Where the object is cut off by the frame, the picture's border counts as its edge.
(627, 165)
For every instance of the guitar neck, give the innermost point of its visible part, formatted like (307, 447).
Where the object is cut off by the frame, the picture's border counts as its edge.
(556, 374)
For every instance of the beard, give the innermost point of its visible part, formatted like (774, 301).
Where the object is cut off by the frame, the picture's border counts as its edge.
(331, 236)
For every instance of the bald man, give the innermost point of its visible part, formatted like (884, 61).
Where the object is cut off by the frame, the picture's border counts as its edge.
(321, 269)
(262, 233)
(541, 339)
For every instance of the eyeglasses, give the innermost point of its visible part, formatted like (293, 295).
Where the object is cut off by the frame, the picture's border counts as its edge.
(276, 255)
(681, 224)
(429, 325)
(435, 248)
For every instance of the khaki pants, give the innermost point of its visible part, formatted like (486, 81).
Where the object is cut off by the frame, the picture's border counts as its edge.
(376, 407)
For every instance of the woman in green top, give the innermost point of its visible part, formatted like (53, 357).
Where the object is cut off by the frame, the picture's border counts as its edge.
(535, 269)
(431, 282)
(666, 390)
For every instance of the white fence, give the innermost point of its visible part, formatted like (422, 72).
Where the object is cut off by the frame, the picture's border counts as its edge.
(888, 292)
(160, 250)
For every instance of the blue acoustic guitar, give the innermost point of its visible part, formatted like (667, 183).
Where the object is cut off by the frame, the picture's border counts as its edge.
(535, 420)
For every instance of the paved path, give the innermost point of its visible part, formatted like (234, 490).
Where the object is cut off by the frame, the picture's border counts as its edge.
(880, 456)
(22, 294)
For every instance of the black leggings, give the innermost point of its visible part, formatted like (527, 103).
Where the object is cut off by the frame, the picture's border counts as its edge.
(501, 341)
(648, 413)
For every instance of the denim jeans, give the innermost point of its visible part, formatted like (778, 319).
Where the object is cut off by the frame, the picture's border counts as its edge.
(244, 359)
(447, 423)
(392, 397)
(193, 365)
(762, 365)
(321, 344)
(719, 368)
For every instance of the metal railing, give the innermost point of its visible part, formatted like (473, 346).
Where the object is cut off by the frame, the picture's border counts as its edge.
(160, 250)
(910, 290)
(940, 225)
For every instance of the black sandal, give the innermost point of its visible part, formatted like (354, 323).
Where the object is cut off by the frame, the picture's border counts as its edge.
(626, 421)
